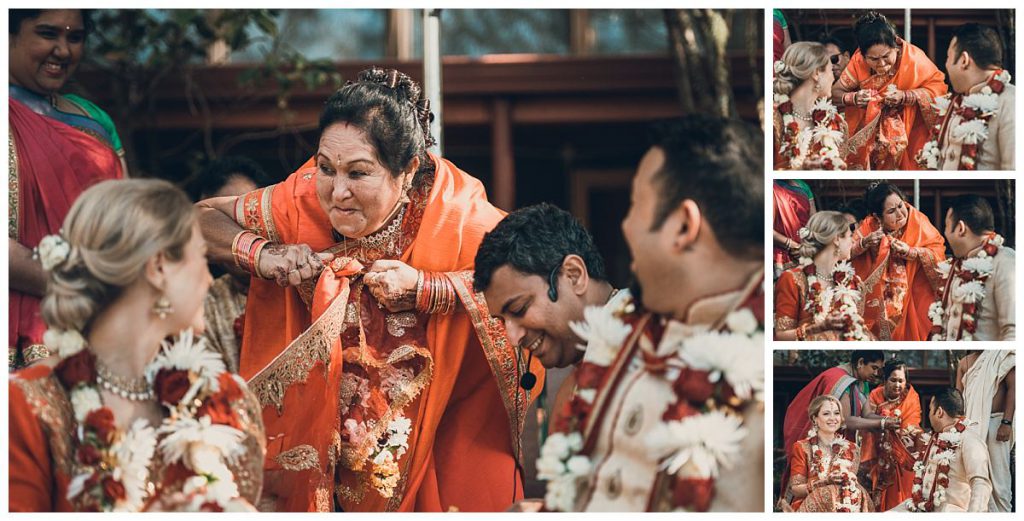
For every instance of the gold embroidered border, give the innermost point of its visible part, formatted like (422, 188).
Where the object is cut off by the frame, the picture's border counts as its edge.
(34, 353)
(296, 459)
(930, 265)
(860, 139)
(249, 469)
(253, 212)
(295, 362)
(13, 192)
(267, 214)
(500, 354)
(52, 406)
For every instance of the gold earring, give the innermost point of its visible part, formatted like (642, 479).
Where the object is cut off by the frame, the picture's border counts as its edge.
(163, 307)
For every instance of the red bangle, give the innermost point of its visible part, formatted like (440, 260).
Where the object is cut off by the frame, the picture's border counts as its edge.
(245, 248)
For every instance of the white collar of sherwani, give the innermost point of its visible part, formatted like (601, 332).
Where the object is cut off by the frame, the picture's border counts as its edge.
(707, 313)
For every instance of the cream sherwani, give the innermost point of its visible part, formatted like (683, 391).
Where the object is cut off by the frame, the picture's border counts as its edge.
(996, 318)
(996, 152)
(625, 470)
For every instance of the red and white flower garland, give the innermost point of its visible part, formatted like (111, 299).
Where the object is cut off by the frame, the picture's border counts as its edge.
(948, 443)
(970, 276)
(975, 111)
(714, 376)
(201, 431)
(842, 298)
(821, 139)
(841, 460)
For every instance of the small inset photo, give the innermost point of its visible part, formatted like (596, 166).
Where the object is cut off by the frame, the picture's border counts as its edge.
(894, 431)
(903, 260)
(893, 89)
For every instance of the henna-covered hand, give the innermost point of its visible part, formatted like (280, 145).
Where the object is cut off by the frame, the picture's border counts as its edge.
(291, 264)
(393, 284)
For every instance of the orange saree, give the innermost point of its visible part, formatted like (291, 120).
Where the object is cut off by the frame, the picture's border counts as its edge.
(889, 138)
(333, 370)
(892, 475)
(897, 291)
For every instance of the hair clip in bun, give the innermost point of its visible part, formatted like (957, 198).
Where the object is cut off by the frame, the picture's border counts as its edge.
(780, 67)
(52, 251)
(804, 233)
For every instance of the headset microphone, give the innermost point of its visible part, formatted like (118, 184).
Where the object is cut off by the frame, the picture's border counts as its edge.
(528, 380)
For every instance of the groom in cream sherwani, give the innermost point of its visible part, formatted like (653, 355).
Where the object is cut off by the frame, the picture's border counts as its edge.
(974, 58)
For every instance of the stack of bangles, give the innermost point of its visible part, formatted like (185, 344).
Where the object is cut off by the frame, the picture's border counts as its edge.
(850, 99)
(246, 249)
(434, 294)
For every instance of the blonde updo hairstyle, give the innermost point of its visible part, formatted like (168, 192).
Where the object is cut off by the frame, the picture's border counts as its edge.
(113, 229)
(800, 61)
(822, 228)
(817, 403)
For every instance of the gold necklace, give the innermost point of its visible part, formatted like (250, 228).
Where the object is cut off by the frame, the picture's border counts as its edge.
(134, 389)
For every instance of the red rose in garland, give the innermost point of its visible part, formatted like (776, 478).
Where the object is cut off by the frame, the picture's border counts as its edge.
(101, 421)
(113, 489)
(77, 369)
(171, 385)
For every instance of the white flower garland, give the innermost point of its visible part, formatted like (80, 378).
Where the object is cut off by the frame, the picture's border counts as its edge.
(950, 442)
(970, 131)
(821, 137)
(697, 445)
(966, 293)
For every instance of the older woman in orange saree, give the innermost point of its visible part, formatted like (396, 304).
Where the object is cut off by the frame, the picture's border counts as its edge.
(890, 471)
(887, 90)
(381, 392)
(896, 253)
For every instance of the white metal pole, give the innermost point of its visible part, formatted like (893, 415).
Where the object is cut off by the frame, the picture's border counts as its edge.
(432, 71)
(906, 25)
(917, 193)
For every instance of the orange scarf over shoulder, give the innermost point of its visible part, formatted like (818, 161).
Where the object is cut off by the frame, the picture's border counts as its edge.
(896, 135)
(897, 293)
(466, 419)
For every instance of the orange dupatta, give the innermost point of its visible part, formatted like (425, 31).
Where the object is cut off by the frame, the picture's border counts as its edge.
(890, 138)
(891, 474)
(465, 429)
(897, 293)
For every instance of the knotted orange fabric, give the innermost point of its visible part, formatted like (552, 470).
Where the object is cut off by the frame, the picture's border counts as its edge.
(898, 292)
(889, 138)
(464, 403)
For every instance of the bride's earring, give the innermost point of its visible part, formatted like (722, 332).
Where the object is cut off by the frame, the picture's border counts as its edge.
(162, 307)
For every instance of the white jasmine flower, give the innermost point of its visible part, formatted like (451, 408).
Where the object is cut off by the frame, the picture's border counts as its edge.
(587, 395)
(578, 465)
(133, 453)
(52, 250)
(741, 321)
(561, 494)
(399, 429)
(575, 441)
(971, 132)
(603, 332)
(556, 446)
(970, 292)
(186, 431)
(84, 400)
(979, 265)
(941, 104)
(727, 355)
(66, 342)
(549, 467)
(982, 102)
(702, 443)
(944, 267)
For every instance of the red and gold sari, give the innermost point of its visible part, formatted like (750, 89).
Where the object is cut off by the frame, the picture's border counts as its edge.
(52, 159)
(888, 138)
(892, 475)
(333, 369)
(809, 465)
(897, 291)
